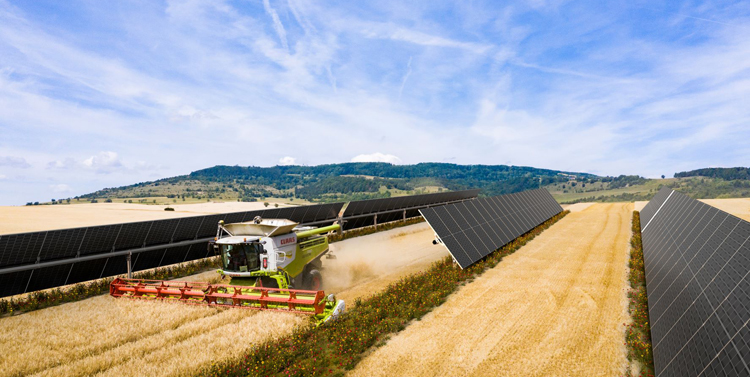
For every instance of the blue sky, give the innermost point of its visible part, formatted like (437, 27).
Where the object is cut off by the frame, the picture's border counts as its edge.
(97, 94)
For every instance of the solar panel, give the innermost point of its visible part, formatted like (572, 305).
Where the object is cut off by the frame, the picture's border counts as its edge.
(26, 249)
(697, 261)
(473, 229)
(363, 207)
(48, 277)
(14, 283)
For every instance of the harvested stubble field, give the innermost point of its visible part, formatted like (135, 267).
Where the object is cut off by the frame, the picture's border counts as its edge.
(554, 308)
(116, 337)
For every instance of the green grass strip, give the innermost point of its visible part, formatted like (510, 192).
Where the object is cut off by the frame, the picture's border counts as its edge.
(638, 333)
(335, 347)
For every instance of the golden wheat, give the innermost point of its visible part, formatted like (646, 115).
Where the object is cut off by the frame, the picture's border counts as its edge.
(120, 337)
(556, 307)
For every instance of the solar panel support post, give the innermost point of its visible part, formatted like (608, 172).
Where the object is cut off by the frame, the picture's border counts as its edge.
(404, 214)
(130, 270)
(375, 220)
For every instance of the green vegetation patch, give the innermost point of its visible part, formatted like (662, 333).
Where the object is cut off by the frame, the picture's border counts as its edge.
(638, 333)
(335, 347)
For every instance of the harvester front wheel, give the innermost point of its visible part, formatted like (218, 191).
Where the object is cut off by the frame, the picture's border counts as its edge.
(314, 280)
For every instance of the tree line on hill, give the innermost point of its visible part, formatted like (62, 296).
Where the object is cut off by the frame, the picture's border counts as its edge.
(727, 174)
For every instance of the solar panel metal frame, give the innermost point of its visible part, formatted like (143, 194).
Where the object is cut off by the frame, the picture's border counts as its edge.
(371, 206)
(697, 262)
(473, 229)
(96, 251)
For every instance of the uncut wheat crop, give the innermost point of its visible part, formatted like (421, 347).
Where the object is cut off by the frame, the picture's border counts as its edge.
(108, 336)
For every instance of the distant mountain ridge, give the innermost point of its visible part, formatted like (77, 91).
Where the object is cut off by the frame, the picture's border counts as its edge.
(370, 180)
(353, 180)
(728, 174)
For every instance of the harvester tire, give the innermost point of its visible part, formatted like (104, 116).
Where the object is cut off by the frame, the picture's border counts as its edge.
(314, 280)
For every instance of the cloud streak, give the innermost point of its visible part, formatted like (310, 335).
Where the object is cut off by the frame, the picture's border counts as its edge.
(189, 84)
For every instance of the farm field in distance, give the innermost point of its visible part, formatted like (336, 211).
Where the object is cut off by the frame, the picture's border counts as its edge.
(16, 219)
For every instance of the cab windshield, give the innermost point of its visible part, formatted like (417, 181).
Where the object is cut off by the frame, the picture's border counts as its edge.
(241, 257)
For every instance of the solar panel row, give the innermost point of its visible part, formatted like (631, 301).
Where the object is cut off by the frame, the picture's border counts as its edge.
(27, 248)
(397, 206)
(71, 273)
(473, 229)
(697, 261)
(653, 205)
(24, 248)
(363, 207)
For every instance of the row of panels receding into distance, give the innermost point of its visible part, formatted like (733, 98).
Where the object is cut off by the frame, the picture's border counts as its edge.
(471, 230)
(56, 246)
(697, 261)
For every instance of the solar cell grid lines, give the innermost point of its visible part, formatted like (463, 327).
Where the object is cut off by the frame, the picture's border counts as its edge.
(25, 249)
(473, 229)
(160, 242)
(363, 207)
(697, 261)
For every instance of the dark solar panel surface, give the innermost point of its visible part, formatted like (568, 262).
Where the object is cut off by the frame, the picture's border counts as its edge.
(27, 248)
(697, 261)
(363, 207)
(397, 206)
(473, 229)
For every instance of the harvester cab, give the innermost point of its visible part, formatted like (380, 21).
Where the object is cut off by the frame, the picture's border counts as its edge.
(272, 253)
(273, 265)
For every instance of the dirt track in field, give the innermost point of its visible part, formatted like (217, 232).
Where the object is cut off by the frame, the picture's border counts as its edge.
(554, 308)
(115, 337)
(366, 265)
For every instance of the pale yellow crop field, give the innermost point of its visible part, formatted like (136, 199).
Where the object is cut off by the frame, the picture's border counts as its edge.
(118, 337)
(556, 307)
(739, 207)
(19, 219)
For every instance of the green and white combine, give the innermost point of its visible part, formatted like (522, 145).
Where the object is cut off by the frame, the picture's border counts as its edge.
(276, 253)
(273, 265)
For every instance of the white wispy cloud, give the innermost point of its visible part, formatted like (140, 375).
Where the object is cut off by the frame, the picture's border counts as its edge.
(406, 77)
(277, 25)
(61, 188)
(192, 84)
(287, 161)
(14, 162)
(377, 157)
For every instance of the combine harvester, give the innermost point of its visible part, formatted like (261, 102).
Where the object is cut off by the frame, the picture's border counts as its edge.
(266, 259)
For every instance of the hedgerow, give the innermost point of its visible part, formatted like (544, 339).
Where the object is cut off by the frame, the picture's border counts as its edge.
(638, 333)
(335, 347)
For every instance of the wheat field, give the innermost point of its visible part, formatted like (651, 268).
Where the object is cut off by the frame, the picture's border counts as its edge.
(556, 307)
(105, 336)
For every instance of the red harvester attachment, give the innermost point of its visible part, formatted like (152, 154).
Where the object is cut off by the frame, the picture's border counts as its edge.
(233, 296)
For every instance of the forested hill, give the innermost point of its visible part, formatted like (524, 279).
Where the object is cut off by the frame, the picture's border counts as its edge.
(492, 179)
(347, 181)
(357, 181)
(727, 174)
